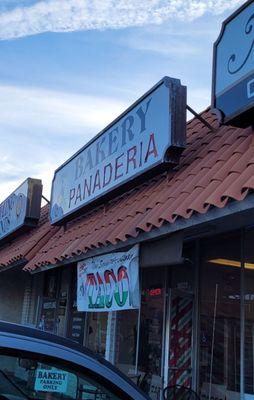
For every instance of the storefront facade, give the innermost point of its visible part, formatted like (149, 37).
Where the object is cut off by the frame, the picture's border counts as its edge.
(194, 326)
(186, 204)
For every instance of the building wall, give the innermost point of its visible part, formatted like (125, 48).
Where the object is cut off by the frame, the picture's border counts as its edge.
(13, 285)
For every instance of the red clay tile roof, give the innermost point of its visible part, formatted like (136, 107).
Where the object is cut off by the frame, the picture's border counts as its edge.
(215, 167)
(26, 246)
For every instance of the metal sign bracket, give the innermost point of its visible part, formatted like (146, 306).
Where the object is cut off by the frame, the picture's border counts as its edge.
(201, 119)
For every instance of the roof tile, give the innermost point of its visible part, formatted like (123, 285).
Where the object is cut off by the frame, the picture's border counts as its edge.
(24, 247)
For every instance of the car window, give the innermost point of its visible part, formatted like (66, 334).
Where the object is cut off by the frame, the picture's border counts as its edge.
(26, 378)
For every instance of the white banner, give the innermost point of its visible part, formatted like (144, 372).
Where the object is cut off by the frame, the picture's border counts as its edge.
(109, 282)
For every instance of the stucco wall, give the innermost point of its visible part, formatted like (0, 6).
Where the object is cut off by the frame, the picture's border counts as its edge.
(12, 288)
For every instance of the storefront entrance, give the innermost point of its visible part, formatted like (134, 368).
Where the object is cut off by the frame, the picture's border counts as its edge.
(52, 317)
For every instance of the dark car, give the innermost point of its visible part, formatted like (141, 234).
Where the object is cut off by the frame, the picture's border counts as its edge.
(38, 365)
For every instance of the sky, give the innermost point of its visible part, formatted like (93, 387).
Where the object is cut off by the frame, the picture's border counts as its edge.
(69, 67)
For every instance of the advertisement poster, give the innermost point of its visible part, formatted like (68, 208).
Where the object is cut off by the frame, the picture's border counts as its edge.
(109, 282)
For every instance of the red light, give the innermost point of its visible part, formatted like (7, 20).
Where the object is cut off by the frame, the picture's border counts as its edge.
(155, 292)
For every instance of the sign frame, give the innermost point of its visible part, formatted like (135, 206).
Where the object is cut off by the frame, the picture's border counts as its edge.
(32, 208)
(241, 117)
(177, 134)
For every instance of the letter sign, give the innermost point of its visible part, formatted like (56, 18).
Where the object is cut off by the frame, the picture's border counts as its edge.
(233, 68)
(148, 135)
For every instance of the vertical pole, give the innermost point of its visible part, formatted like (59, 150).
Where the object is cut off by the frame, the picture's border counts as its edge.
(138, 327)
(137, 345)
(37, 312)
(58, 277)
(69, 301)
(166, 328)
(226, 349)
(252, 338)
(195, 355)
(67, 310)
(111, 337)
(41, 284)
(86, 329)
(167, 334)
(213, 336)
(242, 317)
(27, 300)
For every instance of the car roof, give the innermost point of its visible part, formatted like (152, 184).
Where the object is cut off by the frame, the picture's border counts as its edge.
(36, 334)
(24, 330)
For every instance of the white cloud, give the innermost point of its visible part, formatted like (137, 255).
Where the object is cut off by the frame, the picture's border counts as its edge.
(178, 48)
(66, 112)
(199, 99)
(74, 15)
(41, 128)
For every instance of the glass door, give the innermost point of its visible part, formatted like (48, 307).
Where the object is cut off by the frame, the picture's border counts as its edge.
(53, 314)
(180, 338)
(151, 331)
(47, 318)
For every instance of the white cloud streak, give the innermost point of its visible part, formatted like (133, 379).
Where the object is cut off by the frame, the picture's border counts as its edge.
(49, 109)
(41, 128)
(75, 15)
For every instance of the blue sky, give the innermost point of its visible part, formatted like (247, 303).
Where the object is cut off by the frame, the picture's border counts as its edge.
(69, 67)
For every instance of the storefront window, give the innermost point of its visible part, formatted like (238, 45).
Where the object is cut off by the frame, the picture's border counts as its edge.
(151, 330)
(113, 335)
(126, 341)
(220, 317)
(96, 335)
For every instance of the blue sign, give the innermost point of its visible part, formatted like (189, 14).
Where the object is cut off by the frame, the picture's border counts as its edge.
(233, 68)
(149, 133)
(21, 208)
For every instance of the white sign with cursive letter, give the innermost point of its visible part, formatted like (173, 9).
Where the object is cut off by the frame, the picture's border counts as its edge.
(109, 282)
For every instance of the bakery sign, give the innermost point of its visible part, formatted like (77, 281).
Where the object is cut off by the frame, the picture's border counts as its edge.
(21, 209)
(149, 134)
(233, 68)
(109, 282)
